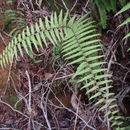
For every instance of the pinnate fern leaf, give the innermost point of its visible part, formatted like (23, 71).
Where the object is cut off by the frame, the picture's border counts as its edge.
(126, 7)
(80, 46)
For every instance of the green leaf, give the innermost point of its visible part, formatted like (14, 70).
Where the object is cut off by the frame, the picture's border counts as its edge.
(126, 7)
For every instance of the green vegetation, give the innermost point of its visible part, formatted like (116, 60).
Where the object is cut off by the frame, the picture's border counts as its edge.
(80, 45)
(106, 6)
(76, 41)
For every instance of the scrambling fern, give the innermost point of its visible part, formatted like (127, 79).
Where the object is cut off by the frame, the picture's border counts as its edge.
(80, 45)
(104, 7)
(16, 17)
(127, 21)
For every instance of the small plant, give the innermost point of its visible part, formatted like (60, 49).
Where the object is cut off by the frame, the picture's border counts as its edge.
(80, 45)
(13, 17)
(127, 21)
(57, 52)
(104, 7)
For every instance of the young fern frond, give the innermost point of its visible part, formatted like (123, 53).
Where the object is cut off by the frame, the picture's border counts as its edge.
(80, 46)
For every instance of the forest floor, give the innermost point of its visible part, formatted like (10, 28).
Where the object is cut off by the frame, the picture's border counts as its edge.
(35, 93)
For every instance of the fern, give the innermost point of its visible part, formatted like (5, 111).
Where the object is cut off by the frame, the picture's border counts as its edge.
(127, 21)
(104, 7)
(13, 17)
(80, 46)
(122, 2)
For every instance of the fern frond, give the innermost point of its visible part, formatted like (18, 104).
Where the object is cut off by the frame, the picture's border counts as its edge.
(16, 17)
(127, 21)
(80, 46)
(104, 7)
(122, 2)
(126, 7)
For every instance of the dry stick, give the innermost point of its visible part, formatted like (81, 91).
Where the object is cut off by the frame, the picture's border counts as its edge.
(107, 91)
(8, 128)
(30, 93)
(30, 1)
(3, 40)
(65, 5)
(86, 3)
(39, 3)
(77, 111)
(76, 107)
(90, 119)
(63, 77)
(72, 111)
(18, 111)
(47, 98)
(19, 95)
(84, 8)
(29, 100)
(74, 5)
(9, 75)
(45, 115)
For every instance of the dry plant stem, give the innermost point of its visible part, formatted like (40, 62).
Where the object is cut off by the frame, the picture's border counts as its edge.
(19, 95)
(30, 93)
(86, 3)
(9, 75)
(29, 124)
(29, 100)
(107, 91)
(54, 78)
(76, 105)
(63, 77)
(8, 128)
(85, 7)
(74, 5)
(120, 98)
(39, 3)
(107, 100)
(3, 40)
(30, 1)
(84, 121)
(126, 32)
(18, 111)
(77, 111)
(45, 112)
(65, 5)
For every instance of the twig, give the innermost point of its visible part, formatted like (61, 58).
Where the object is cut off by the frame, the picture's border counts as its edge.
(29, 100)
(65, 5)
(13, 108)
(77, 111)
(74, 5)
(30, 95)
(86, 123)
(63, 77)
(17, 111)
(45, 114)
(2, 39)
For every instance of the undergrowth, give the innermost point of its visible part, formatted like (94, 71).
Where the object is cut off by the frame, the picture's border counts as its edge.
(80, 46)
(106, 6)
